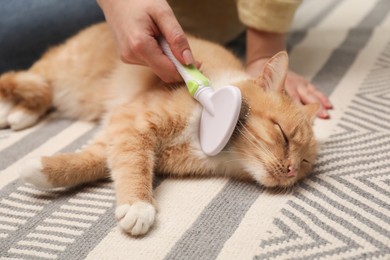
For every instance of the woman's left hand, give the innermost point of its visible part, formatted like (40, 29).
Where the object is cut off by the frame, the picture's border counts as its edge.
(298, 88)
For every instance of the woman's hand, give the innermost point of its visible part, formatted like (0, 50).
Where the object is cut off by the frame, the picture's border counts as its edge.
(305, 92)
(137, 24)
(298, 88)
(263, 45)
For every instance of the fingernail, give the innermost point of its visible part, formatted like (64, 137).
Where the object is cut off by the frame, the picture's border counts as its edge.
(324, 114)
(187, 56)
(329, 105)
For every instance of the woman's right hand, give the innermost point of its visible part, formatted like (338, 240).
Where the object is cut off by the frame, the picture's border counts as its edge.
(137, 24)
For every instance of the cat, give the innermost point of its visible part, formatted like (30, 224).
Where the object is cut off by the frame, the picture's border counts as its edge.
(150, 126)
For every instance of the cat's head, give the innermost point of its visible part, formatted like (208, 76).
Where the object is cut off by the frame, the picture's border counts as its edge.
(274, 138)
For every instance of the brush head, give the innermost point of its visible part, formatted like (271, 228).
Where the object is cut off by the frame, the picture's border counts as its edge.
(221, 108)
(219, 117)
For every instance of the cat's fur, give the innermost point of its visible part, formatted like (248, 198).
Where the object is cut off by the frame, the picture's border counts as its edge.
(152, 127)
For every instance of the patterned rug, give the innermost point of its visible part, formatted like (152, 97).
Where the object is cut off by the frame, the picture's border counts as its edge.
(341, 212)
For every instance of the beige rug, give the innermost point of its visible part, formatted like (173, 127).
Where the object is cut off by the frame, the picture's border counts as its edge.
(341, 212)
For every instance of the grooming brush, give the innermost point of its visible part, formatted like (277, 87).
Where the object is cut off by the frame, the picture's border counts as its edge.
(221, 107)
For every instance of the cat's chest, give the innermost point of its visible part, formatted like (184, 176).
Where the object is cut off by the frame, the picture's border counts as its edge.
(182, 152)
(183, 155)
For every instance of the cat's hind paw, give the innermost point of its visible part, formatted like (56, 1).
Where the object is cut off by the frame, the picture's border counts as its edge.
(136, 218)
(16, 118)
(24, 98)
(31, 171)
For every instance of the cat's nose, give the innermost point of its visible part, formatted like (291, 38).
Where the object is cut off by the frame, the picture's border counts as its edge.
(291, 171)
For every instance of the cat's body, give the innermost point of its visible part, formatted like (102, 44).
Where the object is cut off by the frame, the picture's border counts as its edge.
(152, 127)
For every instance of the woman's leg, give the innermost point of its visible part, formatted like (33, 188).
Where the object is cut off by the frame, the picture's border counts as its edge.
(28, 27)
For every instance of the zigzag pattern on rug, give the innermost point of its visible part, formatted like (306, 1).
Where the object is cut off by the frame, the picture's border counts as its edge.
(343, 210)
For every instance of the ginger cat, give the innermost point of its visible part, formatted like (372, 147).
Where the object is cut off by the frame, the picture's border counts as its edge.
(152, 127)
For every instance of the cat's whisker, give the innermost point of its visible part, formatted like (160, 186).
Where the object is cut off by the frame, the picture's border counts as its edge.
(248, 139)
(243, 126)
(267, 153)
(228, 152)
(258, 143)
(234, 153)
(243, 134)
(239, 160)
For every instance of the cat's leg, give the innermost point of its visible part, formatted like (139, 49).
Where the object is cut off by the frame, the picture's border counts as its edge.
(24, 97)
(131, 159)
(68, 169)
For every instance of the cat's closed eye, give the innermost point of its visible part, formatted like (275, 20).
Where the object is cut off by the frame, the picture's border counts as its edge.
(306, 161)
(285, 139)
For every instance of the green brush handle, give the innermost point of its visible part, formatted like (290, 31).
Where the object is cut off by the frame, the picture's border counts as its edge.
(193, 78)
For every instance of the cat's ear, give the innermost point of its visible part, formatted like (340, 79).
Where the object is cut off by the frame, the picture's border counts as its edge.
(274, 72)
(311, 110)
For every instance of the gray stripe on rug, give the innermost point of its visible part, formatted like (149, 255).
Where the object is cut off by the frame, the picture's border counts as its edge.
(344, 56)
(382, 140)
(84, 244)
(352, 213)
(337, 141)
(32, 141)
(372, 108)
(315, 240)
(359, 124)
(288, 234)
(339, 164)
(365, 180)
(355, 155)
(344, 196)
(371, 119)
(218, 221)
(373, 101)
(52, 128)
(81, 140)
(31, 223)
(360, 191)
(56, 202)
(304, 200)
(42, 134)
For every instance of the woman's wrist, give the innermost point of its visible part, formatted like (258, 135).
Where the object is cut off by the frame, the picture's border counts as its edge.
(262, 45)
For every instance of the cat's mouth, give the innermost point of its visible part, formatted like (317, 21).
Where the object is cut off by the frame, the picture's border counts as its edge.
(279, 180)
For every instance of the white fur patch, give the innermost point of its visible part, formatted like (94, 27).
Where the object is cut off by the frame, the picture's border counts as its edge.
(5, 109)
(30, 171)
(20, 119)
(257, 171)
(137, 218)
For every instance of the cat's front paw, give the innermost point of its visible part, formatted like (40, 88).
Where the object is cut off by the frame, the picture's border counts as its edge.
(136, 218)
(31, 171)
(21, 119)
(24, 98)
(16, 118)
(5, 109)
